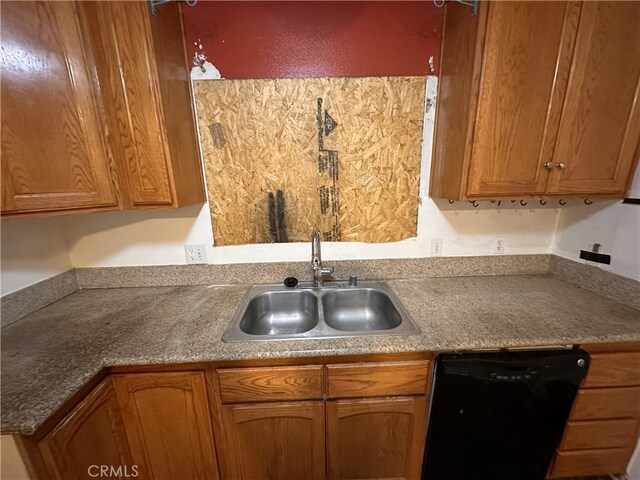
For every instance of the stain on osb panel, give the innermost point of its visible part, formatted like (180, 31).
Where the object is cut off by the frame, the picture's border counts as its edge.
(285, 156)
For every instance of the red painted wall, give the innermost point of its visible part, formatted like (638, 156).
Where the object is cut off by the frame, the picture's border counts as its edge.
(272, 39)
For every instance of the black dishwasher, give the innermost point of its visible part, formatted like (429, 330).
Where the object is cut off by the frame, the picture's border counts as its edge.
(500, 415)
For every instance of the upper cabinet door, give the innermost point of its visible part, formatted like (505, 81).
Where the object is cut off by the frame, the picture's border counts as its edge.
(519, 98)
(53, 155)
(121, 35)
(600, 124)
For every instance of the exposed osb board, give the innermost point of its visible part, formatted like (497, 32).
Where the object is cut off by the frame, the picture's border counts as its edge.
(261, 136)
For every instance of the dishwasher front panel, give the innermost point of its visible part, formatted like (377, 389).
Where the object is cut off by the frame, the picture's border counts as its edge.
(500, 415)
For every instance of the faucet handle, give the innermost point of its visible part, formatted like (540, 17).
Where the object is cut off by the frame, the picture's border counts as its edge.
(326, 271)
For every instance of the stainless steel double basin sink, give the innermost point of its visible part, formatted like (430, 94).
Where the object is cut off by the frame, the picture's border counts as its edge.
(276, 312)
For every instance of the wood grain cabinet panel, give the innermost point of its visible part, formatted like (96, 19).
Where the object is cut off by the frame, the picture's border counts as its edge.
(521, 50)
(53, 153)
(537, 99)
(589, 462)
(603, 427)
(270, 384)
(93, 434)
(147, 102)
(600, 125)
(593, 434)
(167, 420)
(376, 438)
(599, 403)
(97, 112)
(377, 379)
(613, 370)
(281, 441)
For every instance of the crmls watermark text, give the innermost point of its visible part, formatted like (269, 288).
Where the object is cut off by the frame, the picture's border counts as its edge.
(110, 471)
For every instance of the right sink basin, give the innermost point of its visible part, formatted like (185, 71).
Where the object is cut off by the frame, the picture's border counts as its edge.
(360, 309)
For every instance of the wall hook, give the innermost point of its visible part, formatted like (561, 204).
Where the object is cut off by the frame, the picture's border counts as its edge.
(562, 202)
(473, 4)
(451, 202)
(523, 203)
(155, 3)
(474, 203)
(543, 202)
(499, 202)
(587, 201)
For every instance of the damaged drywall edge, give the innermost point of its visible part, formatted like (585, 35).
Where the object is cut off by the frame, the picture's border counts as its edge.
(210, 72)
(202, 68)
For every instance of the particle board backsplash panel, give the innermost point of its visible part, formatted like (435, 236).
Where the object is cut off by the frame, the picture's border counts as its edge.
(283, 156)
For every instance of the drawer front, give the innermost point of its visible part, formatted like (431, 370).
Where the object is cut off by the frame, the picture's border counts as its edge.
(589, 462)
(606, 403)
(613, 370)
(377, 379)
(595, 434)
(238, 385)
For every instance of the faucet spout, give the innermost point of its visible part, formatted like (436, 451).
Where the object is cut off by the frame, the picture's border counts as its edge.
(316, 260)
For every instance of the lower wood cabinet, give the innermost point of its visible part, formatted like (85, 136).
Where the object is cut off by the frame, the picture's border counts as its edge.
(92, 435)
(166, 417)
(358, 420)
(281, 441)
(376, 438)
(604, 423)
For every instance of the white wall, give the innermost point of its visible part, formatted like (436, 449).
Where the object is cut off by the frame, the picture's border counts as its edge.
(12, 467)
(158, 237)
(32, 250)
(614, 225)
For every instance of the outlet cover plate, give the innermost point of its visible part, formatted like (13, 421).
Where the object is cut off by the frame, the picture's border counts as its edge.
(195, 254)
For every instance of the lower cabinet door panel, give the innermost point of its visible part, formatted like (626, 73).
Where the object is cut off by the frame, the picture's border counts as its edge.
(592, 434)
(166, 416)
(589, 462)
(376, 438)
(89, 440)
(279, 441)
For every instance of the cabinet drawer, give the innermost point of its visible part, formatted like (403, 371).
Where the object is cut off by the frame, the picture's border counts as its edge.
(599, 434)
(239, 385)
(377, 379)
(589, 462)
(606, 403)
(613, 370)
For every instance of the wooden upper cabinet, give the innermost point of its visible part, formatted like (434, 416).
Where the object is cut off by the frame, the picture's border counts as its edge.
(91, 435)
(537, 99)
(166, 416)
(600, 125)
(522, 44)
(53, 151)
(97, 111)
(147, 102)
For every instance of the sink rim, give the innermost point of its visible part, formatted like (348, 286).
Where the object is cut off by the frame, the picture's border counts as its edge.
(233, 334)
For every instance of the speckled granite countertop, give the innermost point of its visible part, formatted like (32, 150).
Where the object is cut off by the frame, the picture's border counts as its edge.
(48, 355)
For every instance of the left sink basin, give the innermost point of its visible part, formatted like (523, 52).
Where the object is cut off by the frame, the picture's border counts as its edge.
(280, 313)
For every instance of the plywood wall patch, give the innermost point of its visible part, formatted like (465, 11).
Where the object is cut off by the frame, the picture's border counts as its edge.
(284, 156)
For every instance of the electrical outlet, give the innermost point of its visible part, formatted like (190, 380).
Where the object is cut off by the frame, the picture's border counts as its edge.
(436, 247)
(195, 253)
(500, 246)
